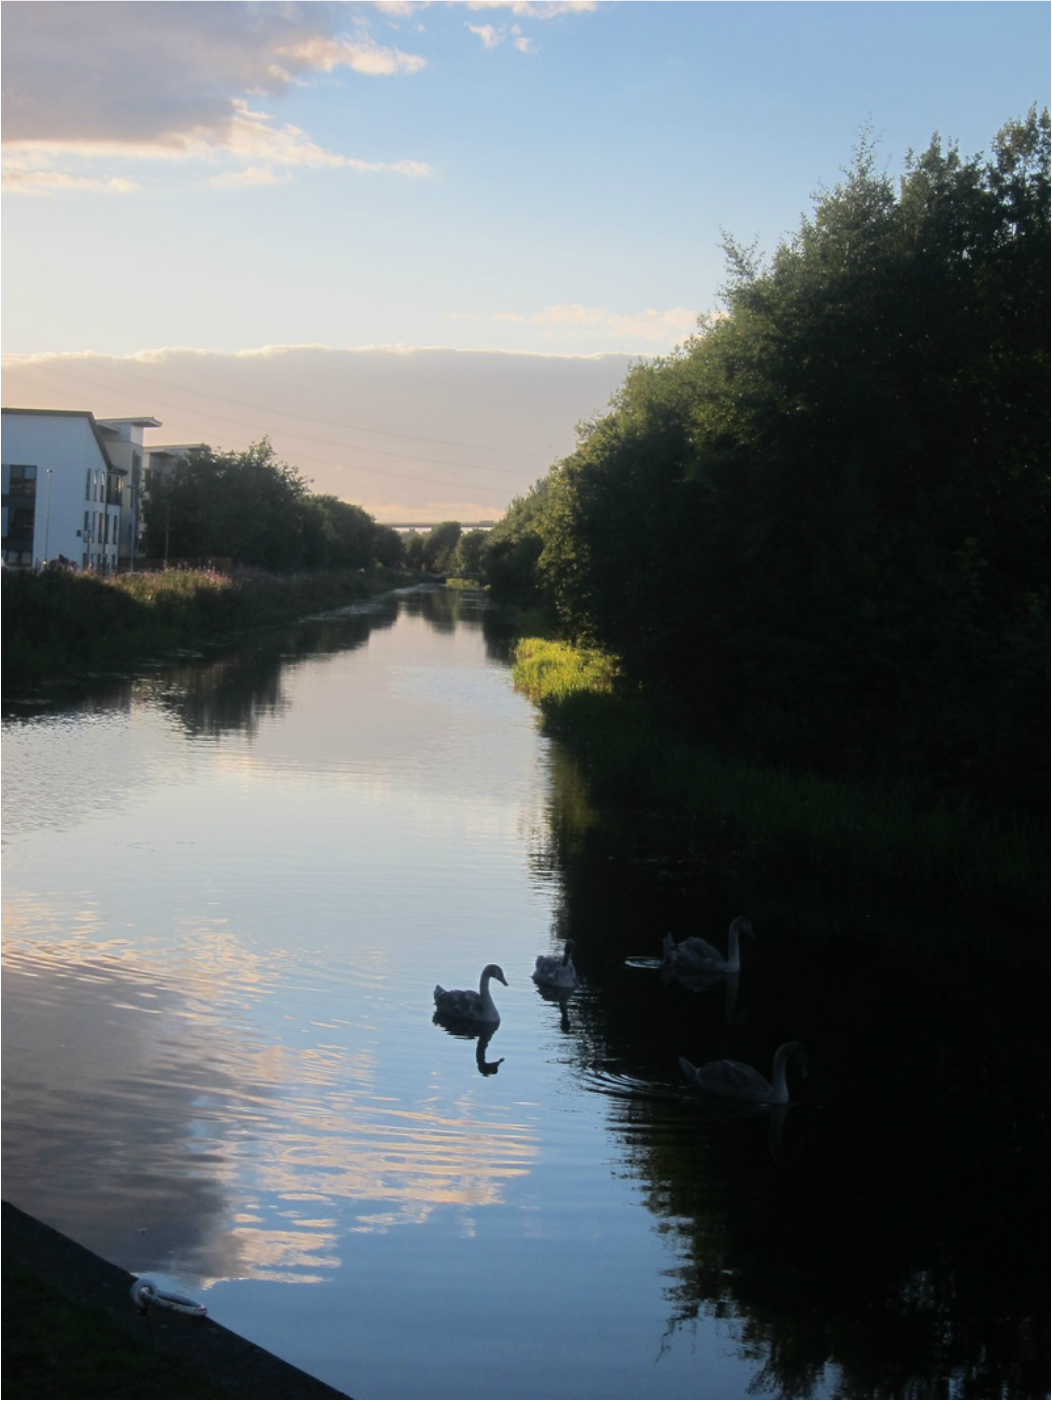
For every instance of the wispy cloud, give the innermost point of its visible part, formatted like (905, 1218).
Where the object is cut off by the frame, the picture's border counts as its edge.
(144, 82)
(254, 138)
(251, 177)
(262, 154)
(27, 177)
(492, 37)
(400, 9)
(172, 81)
(320, 54)
(535, 9)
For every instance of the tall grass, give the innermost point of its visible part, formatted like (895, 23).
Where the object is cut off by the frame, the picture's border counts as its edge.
(551, 672)
(56, 623)
(900, 835)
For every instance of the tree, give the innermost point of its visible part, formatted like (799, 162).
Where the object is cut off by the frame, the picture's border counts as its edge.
(513, 547)
(439, 547)
(337, 535)
(819, 529)
(245, 505)
(256, 509)
(468, 557)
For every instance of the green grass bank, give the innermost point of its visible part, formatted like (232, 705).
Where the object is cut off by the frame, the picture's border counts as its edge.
(56, 623)
(899, 836)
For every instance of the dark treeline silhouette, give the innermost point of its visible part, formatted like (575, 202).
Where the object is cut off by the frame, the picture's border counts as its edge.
(818, 531)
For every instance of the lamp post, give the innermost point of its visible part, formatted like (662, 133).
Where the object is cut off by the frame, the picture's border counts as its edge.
(47, 520)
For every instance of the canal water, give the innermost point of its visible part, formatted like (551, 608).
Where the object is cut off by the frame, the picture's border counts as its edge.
(230, 885)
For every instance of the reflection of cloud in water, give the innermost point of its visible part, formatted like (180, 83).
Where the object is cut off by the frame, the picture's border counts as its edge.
(147, 1114)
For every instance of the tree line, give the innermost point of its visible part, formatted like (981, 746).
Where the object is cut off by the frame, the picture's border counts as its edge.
(257, 510)
(253, 508)
(818, 531)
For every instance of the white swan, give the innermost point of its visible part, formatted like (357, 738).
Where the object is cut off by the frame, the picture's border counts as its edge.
(145, 1292)
(730, 1079)
(553, 971)
(699, 956)
(468, 1006)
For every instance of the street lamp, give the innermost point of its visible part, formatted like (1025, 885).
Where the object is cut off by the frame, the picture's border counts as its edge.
(48, 520)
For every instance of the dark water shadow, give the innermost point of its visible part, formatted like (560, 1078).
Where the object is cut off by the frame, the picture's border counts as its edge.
(860, 1230)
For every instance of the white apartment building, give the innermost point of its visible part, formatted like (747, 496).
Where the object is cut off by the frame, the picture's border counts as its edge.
(73, 488)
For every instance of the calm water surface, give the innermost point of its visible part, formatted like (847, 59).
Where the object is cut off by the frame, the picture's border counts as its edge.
(229, 889)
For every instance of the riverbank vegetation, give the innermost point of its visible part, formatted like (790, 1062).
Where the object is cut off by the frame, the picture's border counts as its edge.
(815, 538)
(748, 814)
(57, 623)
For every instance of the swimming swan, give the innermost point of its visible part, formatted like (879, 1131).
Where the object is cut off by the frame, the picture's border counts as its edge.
(468, 1006)
(699, 956)
(553, 971)
(730, 1079)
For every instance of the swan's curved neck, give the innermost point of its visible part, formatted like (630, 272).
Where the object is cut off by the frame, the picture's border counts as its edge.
(781, 1089)
(488, 1004)
(734, 961)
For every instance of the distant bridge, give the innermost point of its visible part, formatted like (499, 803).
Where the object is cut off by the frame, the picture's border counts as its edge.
(430, 525)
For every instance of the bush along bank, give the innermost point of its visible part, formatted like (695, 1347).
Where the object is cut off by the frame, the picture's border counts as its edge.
(899, 835)
(56, 624)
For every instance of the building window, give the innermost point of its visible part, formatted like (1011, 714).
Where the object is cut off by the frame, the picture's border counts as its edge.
(23, 480)
(20, 525)
(19, 512)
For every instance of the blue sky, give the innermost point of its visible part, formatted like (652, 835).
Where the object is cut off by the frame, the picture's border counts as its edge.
(530, 178)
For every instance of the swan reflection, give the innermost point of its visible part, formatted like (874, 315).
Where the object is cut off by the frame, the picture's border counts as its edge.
(702, 981)
(561, 997)
(465, 1030)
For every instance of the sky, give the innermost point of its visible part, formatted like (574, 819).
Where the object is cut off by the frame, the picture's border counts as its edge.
(417, 244)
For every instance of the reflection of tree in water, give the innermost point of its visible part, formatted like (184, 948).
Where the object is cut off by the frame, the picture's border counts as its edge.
(445, 609)
(859, 1254)
(231, 693)
(891, 1237)
(234, 690)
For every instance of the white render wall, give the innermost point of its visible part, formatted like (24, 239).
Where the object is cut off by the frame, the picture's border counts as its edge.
(72, 515)
(124, 439)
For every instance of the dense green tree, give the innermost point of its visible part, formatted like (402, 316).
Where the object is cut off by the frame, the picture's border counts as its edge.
(387, 545)
(468, 557)
(513, 547)
(440, 547)
(413, 549)
(255, 509)
(337, 534)
(821, 527)
(245, 505)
